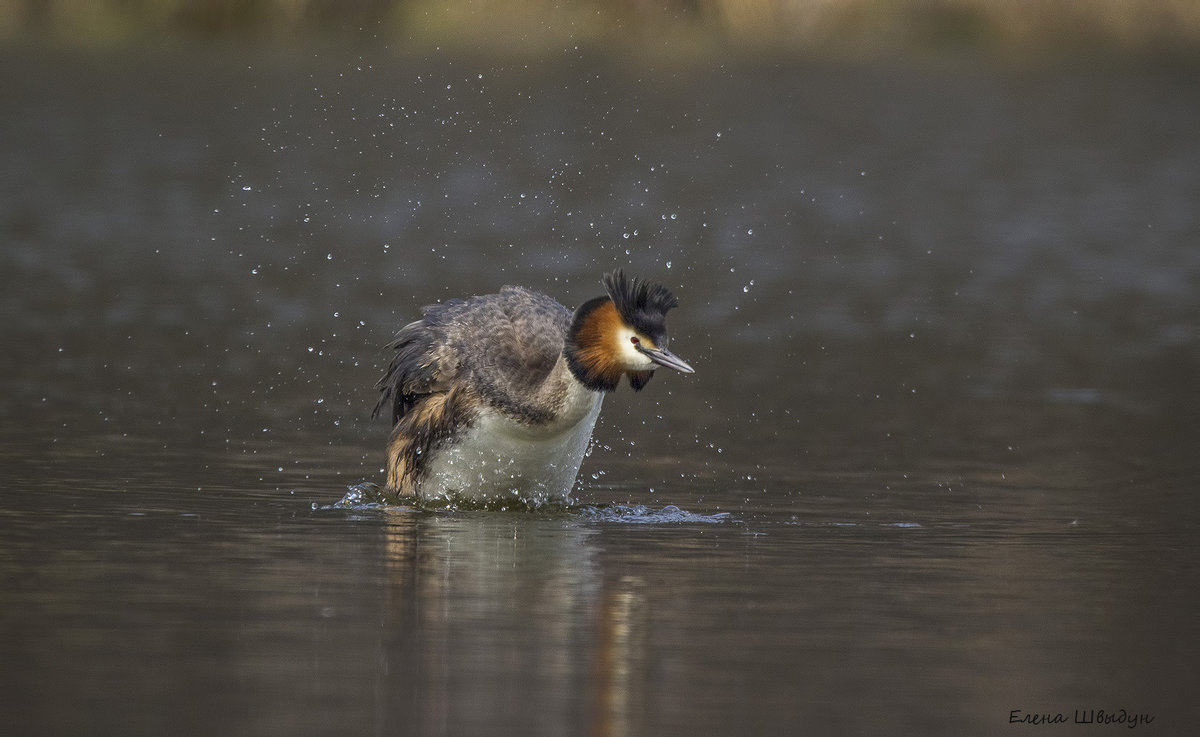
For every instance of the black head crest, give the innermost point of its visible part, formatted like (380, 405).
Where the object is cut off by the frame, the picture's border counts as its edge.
(640, 303)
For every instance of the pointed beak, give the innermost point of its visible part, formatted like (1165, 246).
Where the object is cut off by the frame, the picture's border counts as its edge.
(663, 357)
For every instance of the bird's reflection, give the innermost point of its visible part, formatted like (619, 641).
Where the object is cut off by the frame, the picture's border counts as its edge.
(508, 623)
(616, 679)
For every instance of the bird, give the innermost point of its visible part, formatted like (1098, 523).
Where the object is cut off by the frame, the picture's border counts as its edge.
(493, 398)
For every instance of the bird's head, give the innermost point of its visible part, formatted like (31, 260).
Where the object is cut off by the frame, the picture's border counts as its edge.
(622, 333)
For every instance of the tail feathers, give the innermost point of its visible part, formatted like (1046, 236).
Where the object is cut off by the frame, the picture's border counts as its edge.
(434, 419)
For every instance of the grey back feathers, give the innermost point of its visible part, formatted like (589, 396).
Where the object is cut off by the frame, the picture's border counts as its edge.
(507, 343)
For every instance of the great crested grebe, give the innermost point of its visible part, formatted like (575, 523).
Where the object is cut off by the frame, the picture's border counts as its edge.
(495, 397)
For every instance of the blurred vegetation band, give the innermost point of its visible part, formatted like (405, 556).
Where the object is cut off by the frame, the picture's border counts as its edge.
(1136, 25)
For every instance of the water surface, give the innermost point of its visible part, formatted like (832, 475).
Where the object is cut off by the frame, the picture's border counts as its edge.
(937, 462)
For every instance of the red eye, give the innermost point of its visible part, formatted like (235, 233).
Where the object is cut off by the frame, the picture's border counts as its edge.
(634, 339)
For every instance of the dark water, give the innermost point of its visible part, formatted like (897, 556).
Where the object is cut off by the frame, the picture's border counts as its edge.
(938, 461)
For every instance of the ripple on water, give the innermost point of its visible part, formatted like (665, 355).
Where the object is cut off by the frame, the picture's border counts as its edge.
(642, 515)
(369, 495)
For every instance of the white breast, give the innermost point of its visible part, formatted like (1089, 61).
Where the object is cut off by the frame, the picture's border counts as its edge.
(499, 459)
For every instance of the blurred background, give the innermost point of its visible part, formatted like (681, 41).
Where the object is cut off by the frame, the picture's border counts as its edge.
(829, 26)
